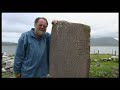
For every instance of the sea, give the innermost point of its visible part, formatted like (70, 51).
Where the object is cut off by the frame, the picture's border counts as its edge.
(10, 50)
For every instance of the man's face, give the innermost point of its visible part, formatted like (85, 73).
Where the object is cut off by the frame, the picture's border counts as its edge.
(40, 27)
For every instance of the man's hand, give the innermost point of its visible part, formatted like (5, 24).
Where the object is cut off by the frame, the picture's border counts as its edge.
(54, 22)
(18, 75)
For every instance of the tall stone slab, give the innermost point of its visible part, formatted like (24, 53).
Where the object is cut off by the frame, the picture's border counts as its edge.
(70, 50)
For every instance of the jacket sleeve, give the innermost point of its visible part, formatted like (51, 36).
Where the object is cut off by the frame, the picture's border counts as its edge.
(20, 54)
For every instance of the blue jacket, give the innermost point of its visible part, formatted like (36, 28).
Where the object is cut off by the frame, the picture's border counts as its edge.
(32, 55)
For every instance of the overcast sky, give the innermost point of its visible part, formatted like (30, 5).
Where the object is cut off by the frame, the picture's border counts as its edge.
(102, 24)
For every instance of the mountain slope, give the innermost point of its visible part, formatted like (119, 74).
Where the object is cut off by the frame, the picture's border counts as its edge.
(8, 43)
(105, 41)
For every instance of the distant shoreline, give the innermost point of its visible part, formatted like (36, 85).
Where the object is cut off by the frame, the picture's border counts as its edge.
(90, 46)
(104, 46)
(11, 49)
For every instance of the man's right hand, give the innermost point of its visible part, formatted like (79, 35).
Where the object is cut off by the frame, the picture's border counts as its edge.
(18, 75)
(54, 22)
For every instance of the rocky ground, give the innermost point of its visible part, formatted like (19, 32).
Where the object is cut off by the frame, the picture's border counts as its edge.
(7, 66)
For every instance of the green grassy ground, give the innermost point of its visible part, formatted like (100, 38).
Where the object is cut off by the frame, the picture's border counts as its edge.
(105, 69)
(96, 56)
(8, 75)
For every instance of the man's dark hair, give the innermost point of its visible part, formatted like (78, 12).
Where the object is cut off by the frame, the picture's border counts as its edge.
(36, 20)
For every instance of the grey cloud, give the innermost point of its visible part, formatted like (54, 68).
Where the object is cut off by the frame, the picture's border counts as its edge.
(104, 34)
(15, 27)
(18, 18)
(101, 24)
(10, 36)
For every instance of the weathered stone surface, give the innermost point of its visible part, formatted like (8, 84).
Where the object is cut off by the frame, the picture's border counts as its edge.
(70, 50)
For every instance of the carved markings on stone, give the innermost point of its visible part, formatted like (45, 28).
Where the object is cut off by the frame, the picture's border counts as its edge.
(70, 50)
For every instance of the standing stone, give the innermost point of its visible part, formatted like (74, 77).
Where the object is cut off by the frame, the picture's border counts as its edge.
(70, 50)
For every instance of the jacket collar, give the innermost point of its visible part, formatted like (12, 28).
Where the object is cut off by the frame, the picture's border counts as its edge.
(33, 34)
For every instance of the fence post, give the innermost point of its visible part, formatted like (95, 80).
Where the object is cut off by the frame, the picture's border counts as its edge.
(112, 52)
(94, 51)
(98, 51)
(115, 52)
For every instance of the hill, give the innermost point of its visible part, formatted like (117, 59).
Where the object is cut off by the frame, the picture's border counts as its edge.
(8, 43)
(104, 41)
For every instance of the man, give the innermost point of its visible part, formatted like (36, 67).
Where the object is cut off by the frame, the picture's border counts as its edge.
(32, 53)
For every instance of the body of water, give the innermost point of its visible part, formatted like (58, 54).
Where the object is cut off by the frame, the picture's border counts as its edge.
(104, 50)
(10, 50)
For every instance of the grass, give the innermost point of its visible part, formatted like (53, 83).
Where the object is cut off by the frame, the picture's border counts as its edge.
(104, 70)
(96, 56)
(8, 75)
